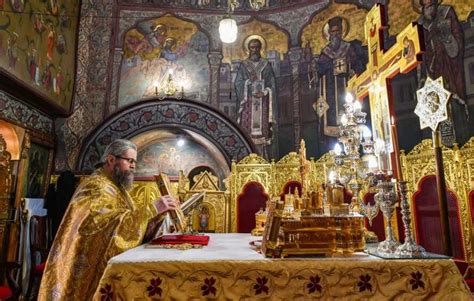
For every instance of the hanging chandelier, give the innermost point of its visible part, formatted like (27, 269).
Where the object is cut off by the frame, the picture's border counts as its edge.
(168, 88)
(228, 29)
(228, 26)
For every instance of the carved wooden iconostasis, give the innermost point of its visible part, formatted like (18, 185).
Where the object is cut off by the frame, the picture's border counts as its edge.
(25, 169)
(151, 124)
(419, 170)
(10, 154)
(273, 177)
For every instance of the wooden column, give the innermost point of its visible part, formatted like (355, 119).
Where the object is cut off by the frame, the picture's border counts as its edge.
(442, 197)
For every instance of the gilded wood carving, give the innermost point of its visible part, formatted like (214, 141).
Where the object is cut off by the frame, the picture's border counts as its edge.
(458, 166)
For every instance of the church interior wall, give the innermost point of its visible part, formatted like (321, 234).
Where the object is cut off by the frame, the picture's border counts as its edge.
(36, 28)
(37, 48)
(288, 114)
(98, 79)
(72, 75)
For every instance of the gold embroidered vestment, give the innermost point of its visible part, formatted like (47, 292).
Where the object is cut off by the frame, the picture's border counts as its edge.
(100, 222)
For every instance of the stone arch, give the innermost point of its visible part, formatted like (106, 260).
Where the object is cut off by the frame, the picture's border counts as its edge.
(132, 120)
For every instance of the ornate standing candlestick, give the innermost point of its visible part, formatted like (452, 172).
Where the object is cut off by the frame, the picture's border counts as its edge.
(409, 248)
(387, 198)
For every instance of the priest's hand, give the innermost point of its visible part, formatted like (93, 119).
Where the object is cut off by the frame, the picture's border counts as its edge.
(166, 203)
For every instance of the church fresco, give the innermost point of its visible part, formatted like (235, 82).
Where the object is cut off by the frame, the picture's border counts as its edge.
(313, 33)
(336, 45)
(159, 49)
(37, 42)
(169, 156)
(276, 40)
(443, 57)
(255, 57)
(400, 14)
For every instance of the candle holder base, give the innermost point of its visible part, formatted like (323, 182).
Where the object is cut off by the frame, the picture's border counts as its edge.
(410, 250)
(370, 237)
(427, 255)
(388, 246)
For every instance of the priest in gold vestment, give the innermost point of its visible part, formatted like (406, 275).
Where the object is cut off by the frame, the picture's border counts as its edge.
(100, 222)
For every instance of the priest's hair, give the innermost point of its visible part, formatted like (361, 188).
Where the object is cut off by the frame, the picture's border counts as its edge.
(116, 148)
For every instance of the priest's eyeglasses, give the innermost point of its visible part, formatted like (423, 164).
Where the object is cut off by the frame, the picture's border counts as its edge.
(129, 160)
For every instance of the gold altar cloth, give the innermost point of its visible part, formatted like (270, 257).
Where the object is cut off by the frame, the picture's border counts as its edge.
(229, 270)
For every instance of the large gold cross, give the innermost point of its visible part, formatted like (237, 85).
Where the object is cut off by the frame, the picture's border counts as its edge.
(382, 66)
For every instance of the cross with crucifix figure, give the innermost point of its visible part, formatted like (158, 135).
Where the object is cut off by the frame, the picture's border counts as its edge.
(383, 65)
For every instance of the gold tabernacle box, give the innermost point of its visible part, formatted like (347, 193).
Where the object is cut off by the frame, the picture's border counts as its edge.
(313, 234)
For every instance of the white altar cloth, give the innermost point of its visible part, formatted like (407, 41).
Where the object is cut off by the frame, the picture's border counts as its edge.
(226, 246)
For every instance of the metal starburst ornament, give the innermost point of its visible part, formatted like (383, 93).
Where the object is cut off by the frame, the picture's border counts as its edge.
(432, 103)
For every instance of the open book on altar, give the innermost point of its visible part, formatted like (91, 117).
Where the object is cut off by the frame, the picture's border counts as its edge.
(159, 228)
(175, 220)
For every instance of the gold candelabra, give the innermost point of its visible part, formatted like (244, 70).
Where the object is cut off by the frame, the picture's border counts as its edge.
(168, 88)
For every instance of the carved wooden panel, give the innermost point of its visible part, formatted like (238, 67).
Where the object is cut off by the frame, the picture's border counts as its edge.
(458, 168)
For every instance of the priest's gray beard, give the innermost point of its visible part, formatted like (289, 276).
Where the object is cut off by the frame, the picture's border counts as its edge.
(123, 178)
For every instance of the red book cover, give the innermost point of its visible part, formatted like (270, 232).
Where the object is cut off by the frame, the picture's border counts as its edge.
(202, 240)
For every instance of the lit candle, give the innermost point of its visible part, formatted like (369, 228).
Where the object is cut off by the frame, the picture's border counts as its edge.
(398, 166)
(372, 164)
(357, 106)
(379, 146)
(366, 133)
(344, 119)
(337, 149)
(349, 98)
(332, 177)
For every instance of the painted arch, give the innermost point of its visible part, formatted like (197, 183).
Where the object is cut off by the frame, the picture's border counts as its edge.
(150, 114)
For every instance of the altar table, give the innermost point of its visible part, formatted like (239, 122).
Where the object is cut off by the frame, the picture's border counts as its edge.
(228, 269)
